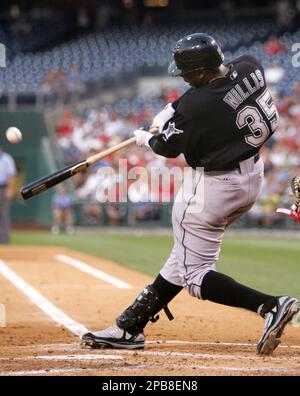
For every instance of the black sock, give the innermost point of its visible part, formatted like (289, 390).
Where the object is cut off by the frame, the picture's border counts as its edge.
(222, 289)
(166, 291)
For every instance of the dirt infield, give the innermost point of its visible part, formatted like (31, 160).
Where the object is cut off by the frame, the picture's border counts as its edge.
(204, 338)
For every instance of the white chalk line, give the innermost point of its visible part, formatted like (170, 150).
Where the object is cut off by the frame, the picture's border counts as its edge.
(215, 343)
(39, 300)
(73, 370)
(83, 287)
(65, 357)
(45, 372)
(233, 368)
(92, 271)
(75, 346)
(237, 344)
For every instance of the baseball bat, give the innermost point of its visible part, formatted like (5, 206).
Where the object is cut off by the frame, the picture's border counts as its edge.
(46, 182)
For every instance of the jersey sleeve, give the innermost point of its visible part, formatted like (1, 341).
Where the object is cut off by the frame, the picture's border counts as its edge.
(171, 142)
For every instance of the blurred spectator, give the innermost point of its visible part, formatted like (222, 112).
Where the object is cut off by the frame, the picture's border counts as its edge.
(114, 125)
(83, 17)
(104, 13)
(274, 73)
(274, 46)
(75, 84)
(286, 12)
(228, 10)
(169, 95)
(116, 213)
(55, 84)
(62, 203)
(147, 211)
(91, 213)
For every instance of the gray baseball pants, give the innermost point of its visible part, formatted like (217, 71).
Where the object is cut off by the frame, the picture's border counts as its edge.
(4, 218)
(206, 204)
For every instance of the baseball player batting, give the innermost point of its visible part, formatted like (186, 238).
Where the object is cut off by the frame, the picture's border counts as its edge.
(219, 124)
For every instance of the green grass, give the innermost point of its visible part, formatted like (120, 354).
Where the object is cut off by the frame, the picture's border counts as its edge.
(269, 264)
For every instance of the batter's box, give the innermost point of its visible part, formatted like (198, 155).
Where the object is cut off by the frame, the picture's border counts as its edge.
(2, 316)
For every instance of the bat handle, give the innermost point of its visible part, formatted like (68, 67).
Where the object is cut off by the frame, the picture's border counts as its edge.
(96, 157)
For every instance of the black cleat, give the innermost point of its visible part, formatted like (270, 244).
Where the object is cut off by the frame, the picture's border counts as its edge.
(275, 321)
(114, 337)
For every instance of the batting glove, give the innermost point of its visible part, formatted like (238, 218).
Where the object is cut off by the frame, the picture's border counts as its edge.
(142, 137)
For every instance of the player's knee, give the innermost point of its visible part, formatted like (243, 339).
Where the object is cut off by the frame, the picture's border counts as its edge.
(194, 290)
(194, 283)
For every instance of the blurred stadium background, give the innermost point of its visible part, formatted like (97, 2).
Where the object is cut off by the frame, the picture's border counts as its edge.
(80, 77)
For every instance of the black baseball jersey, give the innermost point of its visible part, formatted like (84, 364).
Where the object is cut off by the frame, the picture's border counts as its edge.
(219, 124)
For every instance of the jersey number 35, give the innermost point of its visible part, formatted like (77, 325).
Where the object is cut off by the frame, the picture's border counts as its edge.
(254, 119)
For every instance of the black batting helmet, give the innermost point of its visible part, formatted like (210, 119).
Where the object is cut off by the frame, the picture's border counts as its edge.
(195, 51)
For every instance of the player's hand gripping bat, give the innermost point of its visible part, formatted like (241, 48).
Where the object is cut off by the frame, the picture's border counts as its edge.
(46, 182)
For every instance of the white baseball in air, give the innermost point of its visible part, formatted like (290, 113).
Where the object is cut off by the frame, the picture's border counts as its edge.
(13, 135)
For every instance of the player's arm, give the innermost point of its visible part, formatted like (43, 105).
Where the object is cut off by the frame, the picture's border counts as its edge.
(170, 142)
(163, 116)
